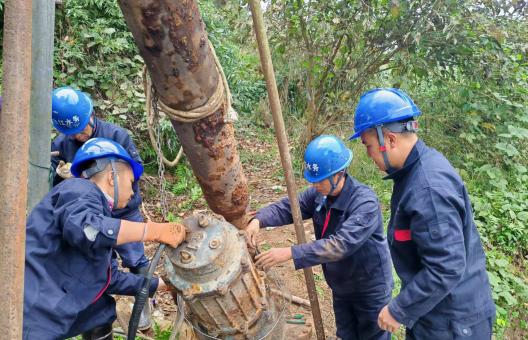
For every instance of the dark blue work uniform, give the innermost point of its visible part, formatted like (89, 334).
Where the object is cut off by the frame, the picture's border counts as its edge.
(437, 252)
(69, 270)
(132, 254)
(353, 253)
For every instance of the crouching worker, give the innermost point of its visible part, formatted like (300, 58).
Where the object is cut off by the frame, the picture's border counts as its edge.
(350, 243)
(73, 115)
(69, 271)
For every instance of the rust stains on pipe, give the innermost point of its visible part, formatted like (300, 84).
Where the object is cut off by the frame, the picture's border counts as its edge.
(210, 147)
(14, 148)
(172, 40)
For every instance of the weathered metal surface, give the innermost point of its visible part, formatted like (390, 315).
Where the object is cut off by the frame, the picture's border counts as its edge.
(213, 272)
(41, 86)
(172, 40)
(211, 148)
(14, 144)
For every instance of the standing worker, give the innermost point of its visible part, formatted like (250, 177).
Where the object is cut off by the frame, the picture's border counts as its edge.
(350, 245)
(69, 269)
(73, 116)
(434, 243)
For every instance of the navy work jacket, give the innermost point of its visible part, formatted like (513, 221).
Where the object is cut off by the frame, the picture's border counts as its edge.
(68, 146)
(68, 266)
(435, 247)
(353, 250)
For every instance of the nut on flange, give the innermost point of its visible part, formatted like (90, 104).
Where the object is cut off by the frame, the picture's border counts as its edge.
(214, 243)
(203, 221)
(185, 256)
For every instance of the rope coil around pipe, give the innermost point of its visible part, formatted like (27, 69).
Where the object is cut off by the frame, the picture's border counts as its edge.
(152, 119)
(211, 106)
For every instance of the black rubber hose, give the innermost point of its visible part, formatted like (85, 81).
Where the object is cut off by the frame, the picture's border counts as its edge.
(142, 295)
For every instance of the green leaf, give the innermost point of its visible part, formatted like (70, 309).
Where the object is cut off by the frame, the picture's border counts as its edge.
(501, 262)
(522, 216)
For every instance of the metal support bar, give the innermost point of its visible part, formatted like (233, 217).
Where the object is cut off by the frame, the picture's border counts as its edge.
(41, 86)
(282, 140)
(14, 141)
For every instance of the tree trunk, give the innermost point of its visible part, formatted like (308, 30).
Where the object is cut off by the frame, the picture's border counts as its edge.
(172, 40)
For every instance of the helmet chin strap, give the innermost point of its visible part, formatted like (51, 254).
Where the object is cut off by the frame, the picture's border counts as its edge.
(383, 149)
(334, 186)
(116, 189)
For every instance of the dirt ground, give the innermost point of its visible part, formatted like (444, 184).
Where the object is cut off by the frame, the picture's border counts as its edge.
(261, 163)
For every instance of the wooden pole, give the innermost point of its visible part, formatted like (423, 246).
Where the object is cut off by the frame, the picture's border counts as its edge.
(282, 140)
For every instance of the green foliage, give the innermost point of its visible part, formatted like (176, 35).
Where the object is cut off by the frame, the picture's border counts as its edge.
(95, 52)
(509, 289)
(187, 186)
(333, 50)
(502, 214)
(160, 334)
(239, 61)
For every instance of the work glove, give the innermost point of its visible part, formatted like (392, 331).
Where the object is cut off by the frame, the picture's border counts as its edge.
(170, 233)
(63, 170)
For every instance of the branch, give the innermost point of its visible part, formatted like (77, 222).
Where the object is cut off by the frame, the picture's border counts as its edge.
(330, 63)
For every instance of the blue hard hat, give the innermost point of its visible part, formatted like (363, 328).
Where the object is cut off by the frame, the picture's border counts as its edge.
(325, 156)
(381, 106)
(70, 110)
(96, 148)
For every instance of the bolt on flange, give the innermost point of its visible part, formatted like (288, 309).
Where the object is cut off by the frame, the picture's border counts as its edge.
(185, 256)
(203, 221)
(214, 243)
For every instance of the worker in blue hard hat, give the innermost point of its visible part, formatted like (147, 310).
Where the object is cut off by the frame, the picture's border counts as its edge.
(70, 273)
(434, 243)
(73, 116)
(350, 243)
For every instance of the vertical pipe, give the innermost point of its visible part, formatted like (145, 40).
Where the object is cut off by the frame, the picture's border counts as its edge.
(282, 140)
(41, 86)
(172, 40)
(14, 141)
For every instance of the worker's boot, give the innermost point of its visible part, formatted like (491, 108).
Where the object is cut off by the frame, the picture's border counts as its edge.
(145, 317)
(99, 333)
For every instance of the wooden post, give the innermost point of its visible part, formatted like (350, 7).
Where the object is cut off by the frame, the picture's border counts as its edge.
(282, 140)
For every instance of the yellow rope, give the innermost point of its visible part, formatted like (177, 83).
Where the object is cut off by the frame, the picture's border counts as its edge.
(151, 119)
(210, 107)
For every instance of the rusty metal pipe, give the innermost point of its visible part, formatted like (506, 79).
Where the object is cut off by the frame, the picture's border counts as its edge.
(41, 86)
(172, 40)
(282, 141)
(14, 144)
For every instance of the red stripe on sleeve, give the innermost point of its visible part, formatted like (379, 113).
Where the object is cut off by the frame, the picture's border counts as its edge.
(402, 235)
